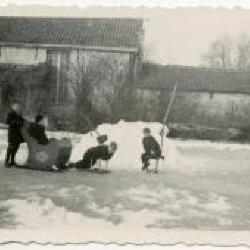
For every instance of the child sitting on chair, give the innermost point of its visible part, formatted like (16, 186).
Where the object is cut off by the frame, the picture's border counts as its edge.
(100, 152)
(151, 147)
(37, 130)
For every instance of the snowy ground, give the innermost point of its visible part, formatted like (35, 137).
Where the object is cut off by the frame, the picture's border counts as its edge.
(201, 185)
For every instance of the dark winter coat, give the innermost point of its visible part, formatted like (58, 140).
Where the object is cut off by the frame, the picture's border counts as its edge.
(37, 131)
(93, 154)
(15, 122)
(151, 146)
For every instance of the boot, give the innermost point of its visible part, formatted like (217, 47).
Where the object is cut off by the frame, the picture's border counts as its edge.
(7, 165)
(145, 166)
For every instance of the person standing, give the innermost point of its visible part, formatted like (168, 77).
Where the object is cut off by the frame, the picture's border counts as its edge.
(15, 138)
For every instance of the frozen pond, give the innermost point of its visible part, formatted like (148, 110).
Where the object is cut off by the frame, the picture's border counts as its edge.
(201, 185)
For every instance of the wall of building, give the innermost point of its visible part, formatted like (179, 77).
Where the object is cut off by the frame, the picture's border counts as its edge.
(216, 110)
(109, 73)
(22, 56)
(105, 70)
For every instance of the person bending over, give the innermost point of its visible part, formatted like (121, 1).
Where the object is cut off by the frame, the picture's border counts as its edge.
(15, 138)
(100, 152)
(151, 147)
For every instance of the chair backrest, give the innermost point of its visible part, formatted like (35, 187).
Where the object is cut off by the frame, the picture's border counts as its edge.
(56, 152)
(26, 136)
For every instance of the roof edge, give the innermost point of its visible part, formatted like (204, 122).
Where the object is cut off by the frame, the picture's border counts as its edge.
(68, 46)
(158, 66)
(75, 17)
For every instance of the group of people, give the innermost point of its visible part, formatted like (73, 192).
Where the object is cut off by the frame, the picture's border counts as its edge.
(15, 121)
(102, 151)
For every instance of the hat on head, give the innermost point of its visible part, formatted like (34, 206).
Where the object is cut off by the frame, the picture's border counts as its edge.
(102, 138)
(113, 145)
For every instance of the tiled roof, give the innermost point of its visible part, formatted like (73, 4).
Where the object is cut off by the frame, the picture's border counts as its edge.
(96, 32)
(194, 79)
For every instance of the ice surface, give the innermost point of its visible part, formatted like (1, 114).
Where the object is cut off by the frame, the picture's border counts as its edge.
(128, 135)
(200, 185)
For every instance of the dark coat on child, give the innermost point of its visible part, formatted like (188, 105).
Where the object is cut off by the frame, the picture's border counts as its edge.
(152, 150)
(37, 131)
(93, 154)
(15, 122)
(151, 146)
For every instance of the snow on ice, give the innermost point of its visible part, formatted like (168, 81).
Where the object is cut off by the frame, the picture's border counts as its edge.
(129, 139)
(195, 186)
(128, 135)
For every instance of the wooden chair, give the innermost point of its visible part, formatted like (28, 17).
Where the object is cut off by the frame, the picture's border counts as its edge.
(43, 157)
(102, 163)
(156, 163)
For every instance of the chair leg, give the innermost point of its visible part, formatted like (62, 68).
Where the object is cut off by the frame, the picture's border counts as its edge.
(106, 164)
(99, 164)
(156, 165)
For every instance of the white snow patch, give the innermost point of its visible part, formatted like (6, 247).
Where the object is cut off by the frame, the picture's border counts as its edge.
(77, 190)
(105, 211)
(178, 200)
(34, 215)
(128, 135)
(172, 205)
(217, 203)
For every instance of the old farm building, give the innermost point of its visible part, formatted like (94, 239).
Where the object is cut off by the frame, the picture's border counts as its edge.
(73, 67)
(210, 97)
(45, 61)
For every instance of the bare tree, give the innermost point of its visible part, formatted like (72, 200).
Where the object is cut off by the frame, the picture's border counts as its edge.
(93, 86)
(220, 54)
(243, 53)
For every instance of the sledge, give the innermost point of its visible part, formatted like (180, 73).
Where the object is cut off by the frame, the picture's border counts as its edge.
(94, 170)
(43, 157)
(27, 167)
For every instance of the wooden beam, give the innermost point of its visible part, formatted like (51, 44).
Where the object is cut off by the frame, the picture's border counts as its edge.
(193, 90)
(69, 46)
(58, 76)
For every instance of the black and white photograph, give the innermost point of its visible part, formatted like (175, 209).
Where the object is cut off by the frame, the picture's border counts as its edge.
(124, 124)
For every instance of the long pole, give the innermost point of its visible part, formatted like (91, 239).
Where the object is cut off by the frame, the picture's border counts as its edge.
(91, 125)
(167, 114)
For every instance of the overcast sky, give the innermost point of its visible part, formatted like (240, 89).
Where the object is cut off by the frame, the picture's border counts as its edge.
(173, 36)
(149, 3)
